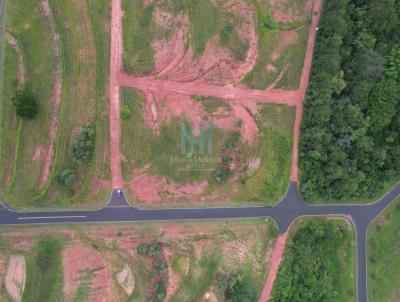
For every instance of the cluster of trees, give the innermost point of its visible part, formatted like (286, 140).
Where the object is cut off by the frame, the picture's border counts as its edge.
(310, 271)
(81, 150)
(236, 288)
(223, 171)
(350, 142)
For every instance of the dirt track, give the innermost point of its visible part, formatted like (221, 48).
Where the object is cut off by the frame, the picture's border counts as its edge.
(149, 84)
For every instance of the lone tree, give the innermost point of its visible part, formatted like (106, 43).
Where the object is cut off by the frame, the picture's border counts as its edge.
(26, 104)
(82, 145)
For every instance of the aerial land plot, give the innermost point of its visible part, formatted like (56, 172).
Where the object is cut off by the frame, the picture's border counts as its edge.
(258, 44)
(383, 256)
(189, 150)
(319, 262)
(56, 52)
(172, 262)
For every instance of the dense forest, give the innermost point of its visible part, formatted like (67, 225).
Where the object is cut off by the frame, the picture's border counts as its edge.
(311, 269)
(350, 141)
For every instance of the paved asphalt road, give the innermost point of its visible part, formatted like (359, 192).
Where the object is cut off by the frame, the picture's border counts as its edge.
(291, 207)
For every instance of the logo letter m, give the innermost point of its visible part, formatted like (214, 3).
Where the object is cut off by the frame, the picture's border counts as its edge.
(187, 137)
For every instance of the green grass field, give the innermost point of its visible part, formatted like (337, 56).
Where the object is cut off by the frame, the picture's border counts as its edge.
(383, 256)
(19, 139)
(141, 147)
(318, 263)
(84, 39)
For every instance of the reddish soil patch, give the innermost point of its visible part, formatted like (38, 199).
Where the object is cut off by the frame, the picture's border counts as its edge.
(281, 13)
(20, 59)
(77, 260)
(286, 38)
(114, 95)
(56, 97)
(277, 255)
(38, 153)
(216, 64)
(148, 188)
(15, 277)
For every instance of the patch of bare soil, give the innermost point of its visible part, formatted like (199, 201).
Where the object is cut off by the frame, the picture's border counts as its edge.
(16, 277)
(148, 188)
(285, 11)
(20, 59)
(216, 65)
(126, 280)
(56, 96)
(76, 260)
(286, 38)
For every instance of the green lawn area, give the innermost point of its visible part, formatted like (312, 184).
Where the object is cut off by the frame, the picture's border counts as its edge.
(44, 280)
(291, 59)
(383, 256)
(141, 147)
(318, 263)
(84, 38)
(19, 173)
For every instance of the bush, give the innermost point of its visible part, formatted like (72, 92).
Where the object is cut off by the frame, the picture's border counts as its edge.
(66, 177)
(26, 105)
(47, 252)
(126, 112)
(151, 250)
(235, 288)
(161, 266)
(82, 145)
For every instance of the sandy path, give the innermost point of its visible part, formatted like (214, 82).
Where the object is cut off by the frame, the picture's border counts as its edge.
(305, 76)
(223, 92)
(115, 69)
(277, 255)
(56, 97)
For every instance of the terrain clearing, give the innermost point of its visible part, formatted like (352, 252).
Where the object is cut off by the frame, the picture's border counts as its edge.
(60, 50)
(165, 101)
(383, 255)
(84, 263)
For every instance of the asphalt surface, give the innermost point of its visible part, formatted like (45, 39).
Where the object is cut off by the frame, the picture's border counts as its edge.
(291, 208)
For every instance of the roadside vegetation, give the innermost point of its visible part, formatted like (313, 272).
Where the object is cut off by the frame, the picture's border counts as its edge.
(383, 256)
(80, 155)
(350, 132)
(318, 263)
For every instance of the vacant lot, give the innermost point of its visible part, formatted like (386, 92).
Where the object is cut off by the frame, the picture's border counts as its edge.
(318, 263)
(244, 154)
(383, 256)
(261, 43)
(178, 262)
(64, 48)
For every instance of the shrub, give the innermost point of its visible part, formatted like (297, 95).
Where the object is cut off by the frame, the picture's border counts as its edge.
(126, 112)
(160, 291)
(47, 251)
(82, 145)
(151, 250)
(26, 105)
(161, 266)
(66, 177)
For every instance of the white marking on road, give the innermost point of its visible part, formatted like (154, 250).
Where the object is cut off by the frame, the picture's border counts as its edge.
(50, 217)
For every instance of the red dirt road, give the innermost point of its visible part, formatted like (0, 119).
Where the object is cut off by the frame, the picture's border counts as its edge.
(277, 255)
(115, 69)
(305, 76)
